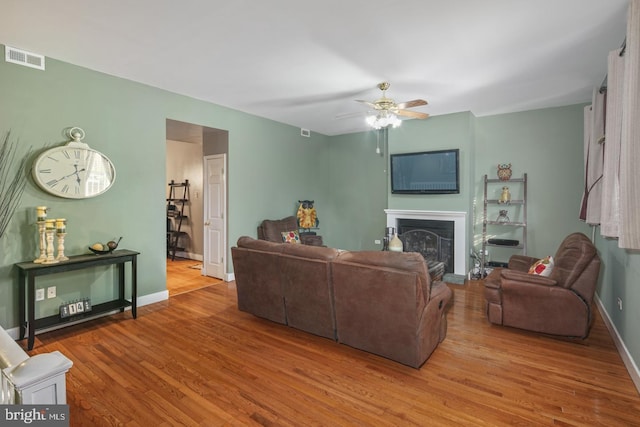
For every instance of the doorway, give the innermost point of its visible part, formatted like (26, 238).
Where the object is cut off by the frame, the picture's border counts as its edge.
(187, 145)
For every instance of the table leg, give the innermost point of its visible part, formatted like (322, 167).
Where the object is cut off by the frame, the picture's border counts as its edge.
(121, 268)
(21, 304)
(134, 286)
(31, 311)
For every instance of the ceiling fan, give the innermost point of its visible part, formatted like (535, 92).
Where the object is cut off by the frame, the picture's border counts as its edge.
(386, 111)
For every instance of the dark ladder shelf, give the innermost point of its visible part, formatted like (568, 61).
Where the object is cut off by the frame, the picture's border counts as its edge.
(175, 216)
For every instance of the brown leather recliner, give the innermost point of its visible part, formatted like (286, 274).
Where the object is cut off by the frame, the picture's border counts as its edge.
(271, 229)
(561, 304)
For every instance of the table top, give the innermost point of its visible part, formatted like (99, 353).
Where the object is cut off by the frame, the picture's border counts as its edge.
(79, 260)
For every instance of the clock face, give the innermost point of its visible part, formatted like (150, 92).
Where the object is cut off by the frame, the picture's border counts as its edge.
(74, 172)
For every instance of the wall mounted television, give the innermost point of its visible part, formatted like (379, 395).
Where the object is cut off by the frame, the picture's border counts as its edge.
(427, 172)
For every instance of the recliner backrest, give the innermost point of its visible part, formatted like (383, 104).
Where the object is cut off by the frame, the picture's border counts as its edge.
(575, 254)
(271, 229)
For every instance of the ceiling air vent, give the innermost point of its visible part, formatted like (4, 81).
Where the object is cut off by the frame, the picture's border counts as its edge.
(22, 57)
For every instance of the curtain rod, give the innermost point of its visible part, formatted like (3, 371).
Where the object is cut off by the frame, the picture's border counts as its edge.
(623, 47)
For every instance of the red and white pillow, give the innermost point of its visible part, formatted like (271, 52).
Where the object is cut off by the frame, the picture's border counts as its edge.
(542, 267)
(291, 236)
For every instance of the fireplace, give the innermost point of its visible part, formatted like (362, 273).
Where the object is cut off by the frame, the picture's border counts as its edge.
(444, 236)
(432, 239)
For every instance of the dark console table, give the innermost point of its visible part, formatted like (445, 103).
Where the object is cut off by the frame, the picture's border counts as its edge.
(28, 271)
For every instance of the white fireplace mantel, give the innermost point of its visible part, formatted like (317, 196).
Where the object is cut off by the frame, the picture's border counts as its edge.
(459, 230)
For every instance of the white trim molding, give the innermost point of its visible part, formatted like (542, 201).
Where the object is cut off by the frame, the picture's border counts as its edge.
(459, 230)
(627, 359)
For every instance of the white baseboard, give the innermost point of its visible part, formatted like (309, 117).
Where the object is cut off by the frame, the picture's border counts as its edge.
(230, 277)
(153, 298)
(627, 359)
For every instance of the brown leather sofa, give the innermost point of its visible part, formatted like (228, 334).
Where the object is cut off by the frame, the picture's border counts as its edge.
(560, 304)
(271, 229)
(380, 302)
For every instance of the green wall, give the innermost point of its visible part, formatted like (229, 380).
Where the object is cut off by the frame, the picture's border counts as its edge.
(357, 184)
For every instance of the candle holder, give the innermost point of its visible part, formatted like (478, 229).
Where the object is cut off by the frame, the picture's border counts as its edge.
(50, 231)
(41, 218)
(42, 242)
(61, 256)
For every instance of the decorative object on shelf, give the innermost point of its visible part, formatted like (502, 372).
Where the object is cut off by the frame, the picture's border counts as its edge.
(505, 196)
(61, 231)
(74, 308)
(103, 249)
(503, 242)
(50, 229)
(503, 216)
(389, 232)
(307, 215)
(395, 244)
(74, 170)
(41, 213)
(504, 172)
(41, 217)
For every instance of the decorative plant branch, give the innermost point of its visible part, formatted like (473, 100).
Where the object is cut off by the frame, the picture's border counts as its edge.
(13, 179)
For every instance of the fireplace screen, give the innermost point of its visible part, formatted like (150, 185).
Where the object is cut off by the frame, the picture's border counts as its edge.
(434, 245)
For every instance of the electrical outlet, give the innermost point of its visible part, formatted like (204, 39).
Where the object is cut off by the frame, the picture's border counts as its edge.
(40, 294)
(377, 242)
(51, 292)
(619, 303)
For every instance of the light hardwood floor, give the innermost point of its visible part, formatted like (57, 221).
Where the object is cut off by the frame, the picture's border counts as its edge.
(182, 276)
(196, 360)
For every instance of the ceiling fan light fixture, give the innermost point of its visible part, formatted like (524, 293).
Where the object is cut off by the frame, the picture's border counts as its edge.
(383, 120)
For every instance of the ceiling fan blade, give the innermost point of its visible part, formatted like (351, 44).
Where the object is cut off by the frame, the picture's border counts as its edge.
(410, 104)
(366, 102)
(350, 115)
(412, 114)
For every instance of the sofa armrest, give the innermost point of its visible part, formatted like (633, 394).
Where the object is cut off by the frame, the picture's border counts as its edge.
(516, 277)
(439, 290)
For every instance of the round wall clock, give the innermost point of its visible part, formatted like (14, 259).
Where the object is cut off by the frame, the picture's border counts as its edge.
(74, 170)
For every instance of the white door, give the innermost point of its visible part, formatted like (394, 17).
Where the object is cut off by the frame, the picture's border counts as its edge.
(215, 207)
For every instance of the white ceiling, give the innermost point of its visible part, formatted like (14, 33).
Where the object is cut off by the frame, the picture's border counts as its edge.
(304, 63)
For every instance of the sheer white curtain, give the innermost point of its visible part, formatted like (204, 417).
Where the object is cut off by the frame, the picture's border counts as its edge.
(593, 152)
(610, 217)
(630, 144)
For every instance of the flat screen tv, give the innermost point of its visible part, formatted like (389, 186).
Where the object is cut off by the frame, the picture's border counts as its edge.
(427, 172)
